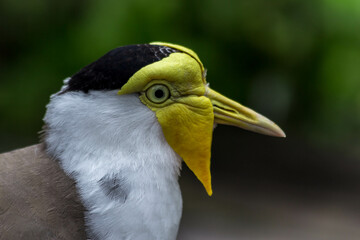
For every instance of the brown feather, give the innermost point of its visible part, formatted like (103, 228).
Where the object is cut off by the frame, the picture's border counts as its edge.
(37, 199)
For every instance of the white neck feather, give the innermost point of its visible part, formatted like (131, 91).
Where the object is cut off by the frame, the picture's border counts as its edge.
(125, 171)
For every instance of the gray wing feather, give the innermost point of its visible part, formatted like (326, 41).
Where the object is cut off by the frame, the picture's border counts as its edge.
(37, 199)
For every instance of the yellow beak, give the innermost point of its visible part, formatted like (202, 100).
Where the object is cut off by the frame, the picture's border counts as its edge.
(229, 112)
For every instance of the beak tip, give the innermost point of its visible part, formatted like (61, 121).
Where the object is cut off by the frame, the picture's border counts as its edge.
(269, 127)
(281, 133)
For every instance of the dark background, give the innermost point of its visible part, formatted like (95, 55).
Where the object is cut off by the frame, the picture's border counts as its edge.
(295, 61)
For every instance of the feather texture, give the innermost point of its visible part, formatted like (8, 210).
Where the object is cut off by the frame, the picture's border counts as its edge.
(125, 171)
(37, 199)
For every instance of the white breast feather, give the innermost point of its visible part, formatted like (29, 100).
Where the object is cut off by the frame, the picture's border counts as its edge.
(101, 135)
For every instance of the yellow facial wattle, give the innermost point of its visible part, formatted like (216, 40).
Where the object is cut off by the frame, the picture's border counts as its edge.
(186, 108)
(188, 127)
(187, 116)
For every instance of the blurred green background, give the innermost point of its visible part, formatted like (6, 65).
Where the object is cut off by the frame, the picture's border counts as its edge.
(295, 61)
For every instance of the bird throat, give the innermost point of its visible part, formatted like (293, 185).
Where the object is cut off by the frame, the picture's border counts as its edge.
(125, 171)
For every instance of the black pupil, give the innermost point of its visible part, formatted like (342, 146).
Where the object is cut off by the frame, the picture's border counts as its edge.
(159, 93)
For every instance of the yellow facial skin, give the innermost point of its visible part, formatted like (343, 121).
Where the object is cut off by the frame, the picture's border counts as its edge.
(187, 116)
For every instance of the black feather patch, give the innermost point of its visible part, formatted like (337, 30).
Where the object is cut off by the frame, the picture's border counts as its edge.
(114, 69)
(115, 187)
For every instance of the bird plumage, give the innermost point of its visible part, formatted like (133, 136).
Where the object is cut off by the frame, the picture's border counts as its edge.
(37, 199)
(126, 154)
(114, 140)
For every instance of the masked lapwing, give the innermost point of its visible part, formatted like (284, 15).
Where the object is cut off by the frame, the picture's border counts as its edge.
(114, 139)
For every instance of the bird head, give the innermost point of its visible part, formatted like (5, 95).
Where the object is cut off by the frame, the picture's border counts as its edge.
(171, 81)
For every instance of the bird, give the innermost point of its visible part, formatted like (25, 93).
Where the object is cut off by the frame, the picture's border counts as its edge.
(112, 147)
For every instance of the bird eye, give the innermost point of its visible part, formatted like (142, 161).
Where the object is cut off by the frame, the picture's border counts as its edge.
(158, 93)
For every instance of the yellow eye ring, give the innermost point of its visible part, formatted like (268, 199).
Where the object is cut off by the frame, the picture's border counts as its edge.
(158, 93)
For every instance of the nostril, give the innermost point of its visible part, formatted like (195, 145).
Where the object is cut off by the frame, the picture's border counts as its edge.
(225, 109)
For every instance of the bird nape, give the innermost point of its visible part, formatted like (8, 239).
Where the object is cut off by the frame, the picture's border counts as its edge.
(113, 142)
